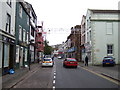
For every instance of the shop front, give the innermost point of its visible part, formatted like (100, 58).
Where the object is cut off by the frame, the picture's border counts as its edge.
(8, 53)
(21, 55)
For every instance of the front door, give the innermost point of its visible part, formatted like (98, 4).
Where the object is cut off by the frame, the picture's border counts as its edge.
(11, 56)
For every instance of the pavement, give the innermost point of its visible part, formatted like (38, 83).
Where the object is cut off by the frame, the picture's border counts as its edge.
(10, 80)
(108, 71)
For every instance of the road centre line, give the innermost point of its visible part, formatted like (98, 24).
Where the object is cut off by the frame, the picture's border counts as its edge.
(102, 76)
(53, 81)
(53, 87)
(54, 73)
(54, 77)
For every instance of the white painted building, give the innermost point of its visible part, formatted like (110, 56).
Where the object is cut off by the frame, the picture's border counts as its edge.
(102, 35)
(7, 33)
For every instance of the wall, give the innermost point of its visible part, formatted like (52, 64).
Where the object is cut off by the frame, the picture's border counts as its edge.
(102, 39)
(11, 11)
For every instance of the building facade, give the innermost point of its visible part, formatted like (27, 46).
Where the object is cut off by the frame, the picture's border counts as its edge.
(82, 46)
(33, 25)
(102, 35)
(22, 35)
(7, 35)
(39, 42)
(75, 40)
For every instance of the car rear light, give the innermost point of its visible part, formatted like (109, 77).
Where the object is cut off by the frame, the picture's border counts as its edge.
(111, 60)
(50, 62)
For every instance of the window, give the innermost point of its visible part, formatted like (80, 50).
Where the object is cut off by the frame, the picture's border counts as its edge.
(87, 37)
(109, 28)
(90, 35)
(20, 33)
(1, 54)
(27, 20)
(27, 37)
(24, 35)
(17, 54)
(9, 2)
(32, 31)
(25, 55)
(8, 21)
(6, 55)
(20, 11)
(109, 49)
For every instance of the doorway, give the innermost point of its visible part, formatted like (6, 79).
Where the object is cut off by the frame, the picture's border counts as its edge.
(11, 56)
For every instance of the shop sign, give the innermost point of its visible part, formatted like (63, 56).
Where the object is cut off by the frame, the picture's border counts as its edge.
(72, 49)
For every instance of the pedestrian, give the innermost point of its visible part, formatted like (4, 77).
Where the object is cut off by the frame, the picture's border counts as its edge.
(86, 61)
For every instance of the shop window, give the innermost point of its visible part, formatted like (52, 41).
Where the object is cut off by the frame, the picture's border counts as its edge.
(17, 54)
(6, 55)
(25, 55)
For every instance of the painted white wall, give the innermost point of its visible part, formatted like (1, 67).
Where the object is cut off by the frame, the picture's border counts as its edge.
(0, 15)
(5, 8)
(102, 39)
(99, 37)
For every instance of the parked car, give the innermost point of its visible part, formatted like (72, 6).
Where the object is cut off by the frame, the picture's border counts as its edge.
(47, 62)
(108, 61)
(59, 57)
(70, 62)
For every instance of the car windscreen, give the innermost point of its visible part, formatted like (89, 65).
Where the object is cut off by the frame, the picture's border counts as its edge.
(71, 60)
(47, 59)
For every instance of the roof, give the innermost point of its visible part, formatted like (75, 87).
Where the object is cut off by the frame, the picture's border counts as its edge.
(104, 11)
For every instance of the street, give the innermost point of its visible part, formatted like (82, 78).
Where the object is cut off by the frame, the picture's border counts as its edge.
(61, 77)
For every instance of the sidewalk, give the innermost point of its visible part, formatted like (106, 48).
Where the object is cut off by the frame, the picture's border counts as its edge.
(108, 71)
(10, 80)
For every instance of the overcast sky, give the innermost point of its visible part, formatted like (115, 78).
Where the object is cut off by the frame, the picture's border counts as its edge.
(60, 15)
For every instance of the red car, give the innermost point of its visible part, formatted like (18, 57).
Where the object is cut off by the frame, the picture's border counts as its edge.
(70, 62)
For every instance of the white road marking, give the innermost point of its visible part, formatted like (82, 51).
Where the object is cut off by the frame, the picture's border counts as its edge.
(54, 73)
(54, 77)
(53, 87)
(53, 81)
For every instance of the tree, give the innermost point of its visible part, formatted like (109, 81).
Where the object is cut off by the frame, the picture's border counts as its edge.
(47, 49)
